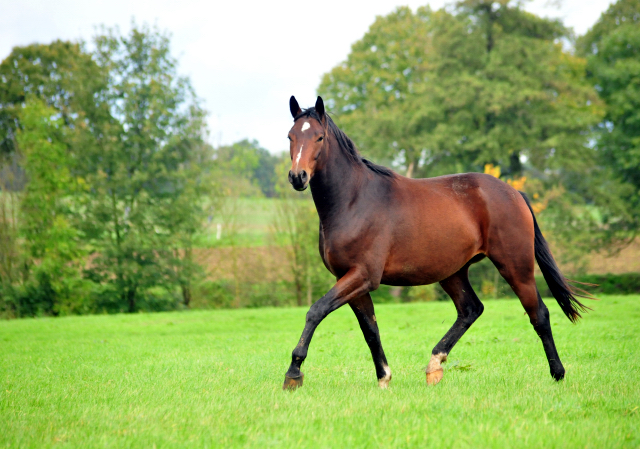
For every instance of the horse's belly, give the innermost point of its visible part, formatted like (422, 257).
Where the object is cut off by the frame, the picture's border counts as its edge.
(429, 262)
(415, 274)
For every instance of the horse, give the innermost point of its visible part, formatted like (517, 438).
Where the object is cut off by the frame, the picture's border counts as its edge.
(378, 227)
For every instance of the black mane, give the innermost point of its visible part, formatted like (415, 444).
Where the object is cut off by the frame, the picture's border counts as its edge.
(346, 144)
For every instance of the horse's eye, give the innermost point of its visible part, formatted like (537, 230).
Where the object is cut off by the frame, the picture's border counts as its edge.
(289, 137)
(320, 138)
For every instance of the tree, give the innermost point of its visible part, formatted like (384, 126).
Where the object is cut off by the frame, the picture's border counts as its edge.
(449, 92)
(61, 74)
(247, 166)
(131, 133)
(142, 169)
(613, 50)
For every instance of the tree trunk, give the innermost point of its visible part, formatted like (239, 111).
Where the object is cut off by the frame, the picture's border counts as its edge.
(131, 299)
(186, 294)
(309, 287)
(410, 169)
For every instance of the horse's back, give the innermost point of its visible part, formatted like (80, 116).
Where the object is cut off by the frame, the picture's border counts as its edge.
(451, 219)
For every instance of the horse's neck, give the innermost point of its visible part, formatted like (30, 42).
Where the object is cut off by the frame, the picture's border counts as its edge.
(336, 187)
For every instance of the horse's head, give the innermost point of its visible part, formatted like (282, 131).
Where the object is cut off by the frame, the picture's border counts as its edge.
(307, 138)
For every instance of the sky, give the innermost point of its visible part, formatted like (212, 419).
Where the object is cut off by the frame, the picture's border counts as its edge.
(244, 58)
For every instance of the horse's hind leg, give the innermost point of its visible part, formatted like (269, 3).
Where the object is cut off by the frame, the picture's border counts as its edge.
(469, 309)
(363, 309)
(523, 283)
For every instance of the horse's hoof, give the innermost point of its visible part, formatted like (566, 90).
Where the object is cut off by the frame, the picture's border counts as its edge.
(292, 383)
(435, 376)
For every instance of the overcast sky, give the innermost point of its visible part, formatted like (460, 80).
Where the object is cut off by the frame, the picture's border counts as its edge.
(244, 58)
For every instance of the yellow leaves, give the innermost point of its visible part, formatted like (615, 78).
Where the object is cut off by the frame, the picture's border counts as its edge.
(549, 195)
(490, 169)
(518, 184)
(538, 207)
(494, 170)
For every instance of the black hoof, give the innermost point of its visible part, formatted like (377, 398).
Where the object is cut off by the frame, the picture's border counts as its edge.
(292, 383)
(558, 376)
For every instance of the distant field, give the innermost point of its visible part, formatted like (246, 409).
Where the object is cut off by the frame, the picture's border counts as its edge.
(213, 379)
(253, 218)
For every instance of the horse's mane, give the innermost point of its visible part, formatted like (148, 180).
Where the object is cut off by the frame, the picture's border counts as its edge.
(346, 144)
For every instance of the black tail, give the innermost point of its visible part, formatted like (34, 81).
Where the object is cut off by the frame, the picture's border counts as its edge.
(560, 288)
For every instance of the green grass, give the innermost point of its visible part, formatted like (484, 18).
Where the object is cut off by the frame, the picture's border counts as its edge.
(213, 379)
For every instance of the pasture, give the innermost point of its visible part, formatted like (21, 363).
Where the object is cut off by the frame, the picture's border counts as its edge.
(213, 379)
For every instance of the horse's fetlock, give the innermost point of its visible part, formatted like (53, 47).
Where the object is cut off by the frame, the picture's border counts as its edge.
(298, 355)
(436, 361)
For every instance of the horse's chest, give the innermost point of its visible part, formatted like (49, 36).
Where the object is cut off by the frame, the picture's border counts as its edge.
(340, 251)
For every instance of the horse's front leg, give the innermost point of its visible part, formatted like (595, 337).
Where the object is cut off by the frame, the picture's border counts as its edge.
(352, 285)
(363, 309)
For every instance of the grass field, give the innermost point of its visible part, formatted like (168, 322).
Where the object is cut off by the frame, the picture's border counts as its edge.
(213, 379)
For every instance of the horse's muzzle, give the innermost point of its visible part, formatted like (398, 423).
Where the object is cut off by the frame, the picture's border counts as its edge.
(299, 181)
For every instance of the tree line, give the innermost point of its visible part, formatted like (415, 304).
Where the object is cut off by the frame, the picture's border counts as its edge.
(106, 175)
(479, 82)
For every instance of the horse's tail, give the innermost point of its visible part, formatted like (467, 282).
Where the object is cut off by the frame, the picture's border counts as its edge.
(560, 287)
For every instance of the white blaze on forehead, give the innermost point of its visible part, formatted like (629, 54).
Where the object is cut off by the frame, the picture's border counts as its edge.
(299, 155)
(305, 126)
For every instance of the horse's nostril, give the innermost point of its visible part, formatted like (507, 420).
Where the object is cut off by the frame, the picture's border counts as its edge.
(304, 176)
(290, 176)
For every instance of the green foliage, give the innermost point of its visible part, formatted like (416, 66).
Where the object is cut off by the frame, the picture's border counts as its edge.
(245, 166)
(38, 275)
(62, 74)
(213, 379)
(46, 243)
(613, 50)
(623, 13)
(52, 242)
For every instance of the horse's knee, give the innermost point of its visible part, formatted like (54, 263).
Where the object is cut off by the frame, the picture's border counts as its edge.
(471, 313)
(477, 310)
(315, 315)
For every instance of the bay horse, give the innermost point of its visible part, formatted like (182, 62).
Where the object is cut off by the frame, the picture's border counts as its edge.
(378, 227)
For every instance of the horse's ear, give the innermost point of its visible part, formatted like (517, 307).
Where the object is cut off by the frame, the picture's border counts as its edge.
(320, 107)
(294, 107)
